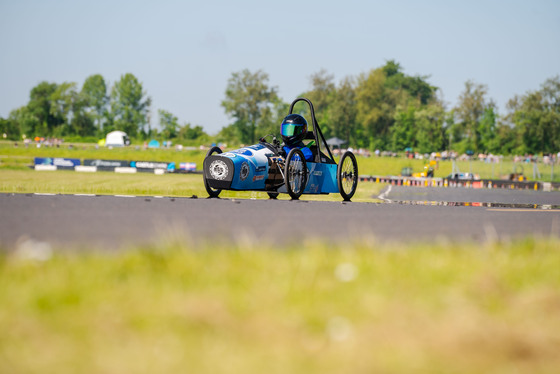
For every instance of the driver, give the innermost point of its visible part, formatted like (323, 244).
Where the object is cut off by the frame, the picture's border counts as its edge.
(293, 131)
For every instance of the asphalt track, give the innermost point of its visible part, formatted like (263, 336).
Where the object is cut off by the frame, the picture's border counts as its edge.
(482, 195)
(113, 222)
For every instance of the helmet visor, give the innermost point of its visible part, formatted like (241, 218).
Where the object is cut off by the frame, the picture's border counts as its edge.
(290, 129)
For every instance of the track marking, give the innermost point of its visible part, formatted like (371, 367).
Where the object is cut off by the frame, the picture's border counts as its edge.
(521, 210)
(384, 194)
(124, 195)
(44, 194)
(85, 194)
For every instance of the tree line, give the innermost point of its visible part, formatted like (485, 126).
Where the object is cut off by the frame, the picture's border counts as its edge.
(383, 109)
(387, 109)
(63, 110)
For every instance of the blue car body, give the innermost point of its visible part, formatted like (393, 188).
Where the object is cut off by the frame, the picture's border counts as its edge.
(257, 168)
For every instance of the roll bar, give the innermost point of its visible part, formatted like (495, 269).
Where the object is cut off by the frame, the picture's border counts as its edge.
(317, 133)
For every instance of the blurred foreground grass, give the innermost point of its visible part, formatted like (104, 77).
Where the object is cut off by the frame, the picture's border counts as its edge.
(319, 308)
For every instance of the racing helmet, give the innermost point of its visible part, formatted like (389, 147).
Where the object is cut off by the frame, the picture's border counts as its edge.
(293, 129)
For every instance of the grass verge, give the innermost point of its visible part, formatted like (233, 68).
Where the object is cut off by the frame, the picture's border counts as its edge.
(145, 184)
(21, 157)
(318, 308)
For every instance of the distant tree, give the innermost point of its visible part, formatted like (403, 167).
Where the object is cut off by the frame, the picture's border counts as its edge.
(342, 112)
(507, 140)
(403, 132)
(70, 108)
(548, 123)
(63, 102)
(469, 126)
(24, 121)
(272, 117)
(322, 95)
(487, 131)
(228, 135)
(416, 86)
(10, 128)
(420, 128)
(81, 123)
(379, 94)
(429, 132)
(129, 106)
(248, 100)
(192, 134)
(53, 110)
(536, 118)
(96, 100)
(375, 107)
(168, 123)
(40, 119)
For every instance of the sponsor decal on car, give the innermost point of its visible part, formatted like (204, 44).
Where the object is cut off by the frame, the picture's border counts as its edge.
(243, 151)
(229, 154)
(244, 172)
(258, 178)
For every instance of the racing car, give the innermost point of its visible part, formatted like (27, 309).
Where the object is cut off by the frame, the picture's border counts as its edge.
(266, 167)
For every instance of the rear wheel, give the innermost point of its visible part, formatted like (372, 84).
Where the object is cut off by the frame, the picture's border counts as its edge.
(212, 192)
(347, 175)
(295, 173)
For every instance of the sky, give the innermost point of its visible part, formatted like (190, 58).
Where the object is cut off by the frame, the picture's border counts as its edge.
(184, 52)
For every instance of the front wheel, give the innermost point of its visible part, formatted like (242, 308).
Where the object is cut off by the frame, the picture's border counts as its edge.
(347, 175)
(295, 173)
(212, 192)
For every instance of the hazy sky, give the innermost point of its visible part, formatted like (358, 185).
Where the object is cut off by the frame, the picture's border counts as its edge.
(183, 52)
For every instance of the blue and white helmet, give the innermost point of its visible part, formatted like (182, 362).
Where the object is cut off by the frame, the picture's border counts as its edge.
(293, 129)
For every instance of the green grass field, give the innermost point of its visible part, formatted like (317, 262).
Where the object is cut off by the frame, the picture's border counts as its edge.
(142, 184)
(318, 308)
(20, 158)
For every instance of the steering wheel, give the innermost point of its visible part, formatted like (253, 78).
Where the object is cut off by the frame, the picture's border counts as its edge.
(274, 147)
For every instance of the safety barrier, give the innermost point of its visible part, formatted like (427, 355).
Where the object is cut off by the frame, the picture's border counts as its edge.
(117, 166)
(470, 183)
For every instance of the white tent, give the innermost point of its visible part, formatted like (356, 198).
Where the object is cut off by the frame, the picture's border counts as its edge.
(335, 142)
(116, 139)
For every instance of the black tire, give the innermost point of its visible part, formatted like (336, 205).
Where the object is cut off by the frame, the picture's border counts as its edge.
(347, 175)
(212, 192)
(273, 195)
(295, 173)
